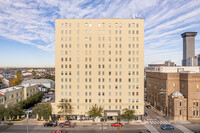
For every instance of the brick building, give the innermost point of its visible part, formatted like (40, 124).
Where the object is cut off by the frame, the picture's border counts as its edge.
(175, 94)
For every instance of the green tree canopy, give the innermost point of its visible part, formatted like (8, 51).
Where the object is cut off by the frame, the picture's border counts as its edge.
(65, 107)
(31, 101)
(2, 111)
(128, 114)
(44, 110)
(13, 110)
(95, 111)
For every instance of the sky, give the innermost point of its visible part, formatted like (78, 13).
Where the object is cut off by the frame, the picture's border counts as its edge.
(27, 27)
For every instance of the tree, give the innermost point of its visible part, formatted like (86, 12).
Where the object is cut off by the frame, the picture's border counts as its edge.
(128, 114)
(2, 112)
(31, 101)
(17, 79)
(33, 73)
(95, 111)
(43, 110)
(65, 108)
(13, 111)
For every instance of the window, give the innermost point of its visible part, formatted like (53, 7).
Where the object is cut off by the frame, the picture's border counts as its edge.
(180, 103)
(180, 112)
(193, 113)
(99, 25)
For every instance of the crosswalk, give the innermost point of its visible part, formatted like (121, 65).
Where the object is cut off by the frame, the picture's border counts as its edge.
(157, 122)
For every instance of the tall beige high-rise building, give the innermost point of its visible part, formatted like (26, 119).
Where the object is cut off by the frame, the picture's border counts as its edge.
(100, 61)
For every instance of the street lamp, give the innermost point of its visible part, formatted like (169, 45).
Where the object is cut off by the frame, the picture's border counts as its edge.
(27, 116)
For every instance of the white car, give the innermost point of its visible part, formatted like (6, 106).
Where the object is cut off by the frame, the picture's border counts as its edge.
(50, 93)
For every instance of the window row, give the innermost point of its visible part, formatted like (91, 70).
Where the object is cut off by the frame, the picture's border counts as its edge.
(66, 86)
(133, 73)
(133, 66)
(133, 80)
(133, 52)
(133, 100)
(133, 45)
(110, 107)
(66, 80)
(66, 73)
(66, 66)
(101, 39)
(133, 39)
(133, 32)
(133, 93)
(101, 45)
(116, 25)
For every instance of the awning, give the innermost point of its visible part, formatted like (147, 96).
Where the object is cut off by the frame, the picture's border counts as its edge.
(112, 114)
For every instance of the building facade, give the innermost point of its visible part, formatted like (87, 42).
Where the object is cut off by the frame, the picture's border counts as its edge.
(175, 94)
(100, 61)
(13, 95)
(189, 49)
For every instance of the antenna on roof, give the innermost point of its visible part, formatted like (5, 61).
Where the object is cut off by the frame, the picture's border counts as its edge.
(102, 16)
(134, 16)
(130, 15)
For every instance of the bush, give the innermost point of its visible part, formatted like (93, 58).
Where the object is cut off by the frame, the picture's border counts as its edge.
(31, 101)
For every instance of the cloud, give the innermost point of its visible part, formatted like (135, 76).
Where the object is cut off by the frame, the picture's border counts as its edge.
(32, 22)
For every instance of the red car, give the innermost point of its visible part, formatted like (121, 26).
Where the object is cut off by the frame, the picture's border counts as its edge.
(67, 124)
(116, 124)
(58, 131)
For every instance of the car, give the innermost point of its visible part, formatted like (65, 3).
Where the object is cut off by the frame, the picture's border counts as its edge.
(146, 131)
(145, 113)
(148, 106)
(167, 127)
(50, 124)
(116, 124)
(50, 93)
(68, 124)
(27, 111)
(58, 131)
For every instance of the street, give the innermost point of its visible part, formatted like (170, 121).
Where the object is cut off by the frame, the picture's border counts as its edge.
(153, 122)
(35, 127)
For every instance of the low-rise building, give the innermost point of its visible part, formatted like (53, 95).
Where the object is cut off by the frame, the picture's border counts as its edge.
(1, 98)
(13, 95)
(175, 92)
(48, 83)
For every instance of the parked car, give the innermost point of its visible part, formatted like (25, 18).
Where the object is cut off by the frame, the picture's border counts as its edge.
(146, 131)
(27, 111)
(167, 127)
(50, 124)
(50, 93)
(145, 113)
(116, 124)
(58, 131)
(148, 106)
(68, 124)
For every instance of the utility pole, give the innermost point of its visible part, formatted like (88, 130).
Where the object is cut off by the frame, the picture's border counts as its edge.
(27, 121)
(118, 126)
(118, 119)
